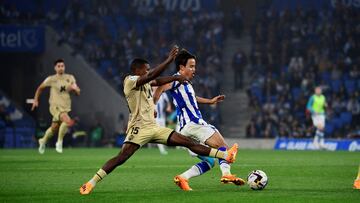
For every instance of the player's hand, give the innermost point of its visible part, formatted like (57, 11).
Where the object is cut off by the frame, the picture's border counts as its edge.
(74, 88)
(173, 53)
(217, 99)
(34, 105)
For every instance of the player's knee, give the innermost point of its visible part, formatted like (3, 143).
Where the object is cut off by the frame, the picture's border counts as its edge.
(54, 129)
(70, 123)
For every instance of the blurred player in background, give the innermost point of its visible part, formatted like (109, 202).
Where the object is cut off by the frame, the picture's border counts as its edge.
(163, 105)
(357, 180)
(142, 127)
(191, 123)
(316, 106)
(61, 85)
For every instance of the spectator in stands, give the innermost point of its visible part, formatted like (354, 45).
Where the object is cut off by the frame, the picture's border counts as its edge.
(239, 63)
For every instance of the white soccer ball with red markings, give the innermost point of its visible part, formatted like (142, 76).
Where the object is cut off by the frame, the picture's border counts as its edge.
(257, 180)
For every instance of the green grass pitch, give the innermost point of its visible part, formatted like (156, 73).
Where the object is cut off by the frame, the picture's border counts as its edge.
(294, 176)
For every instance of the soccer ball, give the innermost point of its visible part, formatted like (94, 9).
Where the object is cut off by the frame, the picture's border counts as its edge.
(257, 180)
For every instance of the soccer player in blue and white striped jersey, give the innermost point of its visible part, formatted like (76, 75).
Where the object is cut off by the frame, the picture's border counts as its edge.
(192, 124)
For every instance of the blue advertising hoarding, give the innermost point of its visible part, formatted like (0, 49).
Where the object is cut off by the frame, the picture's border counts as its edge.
(25, 39)
(307, 144)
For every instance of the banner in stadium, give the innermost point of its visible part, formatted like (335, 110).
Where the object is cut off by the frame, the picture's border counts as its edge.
(307, 144)
(15, 38)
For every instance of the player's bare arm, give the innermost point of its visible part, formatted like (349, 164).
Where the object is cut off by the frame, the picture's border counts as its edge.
(168, 79)
(38, 92)
(213, 100)
(155, 72)
(159, 91)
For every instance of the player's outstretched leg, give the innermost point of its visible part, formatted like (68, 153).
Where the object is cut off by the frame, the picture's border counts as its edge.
(217, 140)
(198, 169)
(227, 177)
(176, 139)
(127, 151)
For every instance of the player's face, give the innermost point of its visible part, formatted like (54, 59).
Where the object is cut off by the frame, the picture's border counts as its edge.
(318, 91)
(60, 68)
(144, 69)
(189, 69)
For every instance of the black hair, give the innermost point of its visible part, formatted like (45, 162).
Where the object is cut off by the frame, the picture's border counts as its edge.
(136, 63)
(58, 61)
(182, 58)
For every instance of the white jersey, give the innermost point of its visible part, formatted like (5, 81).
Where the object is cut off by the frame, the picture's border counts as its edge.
(186, 105)
(160, 109)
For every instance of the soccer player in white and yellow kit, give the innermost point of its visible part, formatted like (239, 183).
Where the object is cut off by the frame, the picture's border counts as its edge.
(61, 85)
(142, 127)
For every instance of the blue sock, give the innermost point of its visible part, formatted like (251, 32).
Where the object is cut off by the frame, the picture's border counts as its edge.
(223, 149)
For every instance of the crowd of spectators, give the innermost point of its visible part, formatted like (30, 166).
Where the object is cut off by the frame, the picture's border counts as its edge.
(109, 34)
(292, 53)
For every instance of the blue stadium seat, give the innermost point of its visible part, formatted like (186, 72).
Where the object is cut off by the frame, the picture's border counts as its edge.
(337, 122)
(257, 92)
(296, 92)
(336, 85)
(350, 86)
(9, 138)
(24, 137)
(346, 117)
(329, 129)
(325, 76)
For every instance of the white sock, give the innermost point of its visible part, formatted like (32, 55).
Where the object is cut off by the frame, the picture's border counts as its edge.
(192, 172)
(92, 181)
(161, 148)
(225, 168)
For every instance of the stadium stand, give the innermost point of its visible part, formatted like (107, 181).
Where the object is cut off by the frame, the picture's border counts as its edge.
(109, 35)
(16, 127)
(294, 51)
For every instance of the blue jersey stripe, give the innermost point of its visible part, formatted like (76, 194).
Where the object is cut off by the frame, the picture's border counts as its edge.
(192, 101)
(185, 103)
(179, 104)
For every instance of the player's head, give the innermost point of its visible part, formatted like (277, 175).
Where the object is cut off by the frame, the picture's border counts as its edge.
(59, 66)
(139, 66)
(318, 90)
(186, 63)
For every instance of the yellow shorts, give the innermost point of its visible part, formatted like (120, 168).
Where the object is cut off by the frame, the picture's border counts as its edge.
(56, 111)
(144, 135)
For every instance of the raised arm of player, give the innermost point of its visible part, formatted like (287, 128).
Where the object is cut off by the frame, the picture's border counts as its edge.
(213, 100)
(159, 91)
(155, 72)
(38, 92)
(168, 79)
